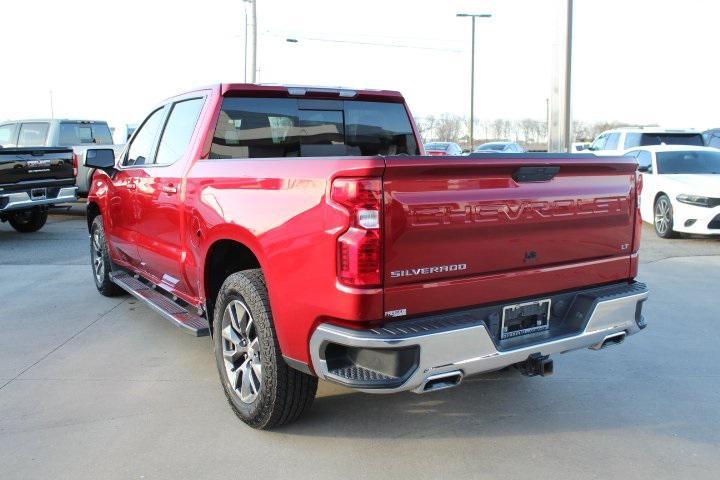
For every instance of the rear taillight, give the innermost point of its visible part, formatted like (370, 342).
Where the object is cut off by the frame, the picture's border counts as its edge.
(359, 249)
(638, 219)
(75, 164)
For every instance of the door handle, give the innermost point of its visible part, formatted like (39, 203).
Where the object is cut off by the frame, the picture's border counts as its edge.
(169, 189)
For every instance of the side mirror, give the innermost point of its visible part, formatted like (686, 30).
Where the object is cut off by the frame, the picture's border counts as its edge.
(102, 158)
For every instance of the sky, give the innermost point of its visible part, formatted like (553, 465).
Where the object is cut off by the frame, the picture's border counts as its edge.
(637, 61)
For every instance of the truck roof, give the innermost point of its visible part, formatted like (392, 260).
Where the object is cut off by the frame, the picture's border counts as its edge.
(230, 89)
(48, 120)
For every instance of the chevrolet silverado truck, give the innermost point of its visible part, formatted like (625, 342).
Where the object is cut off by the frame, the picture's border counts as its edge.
(32, 180)
(305, 230)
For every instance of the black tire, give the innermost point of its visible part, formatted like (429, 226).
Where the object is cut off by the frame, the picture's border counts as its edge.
(284, 393)
(28, 221)
(663, 217)
(100, 260)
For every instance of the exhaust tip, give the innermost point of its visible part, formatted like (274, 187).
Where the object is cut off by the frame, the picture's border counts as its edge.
(610, 340)
(442, 381)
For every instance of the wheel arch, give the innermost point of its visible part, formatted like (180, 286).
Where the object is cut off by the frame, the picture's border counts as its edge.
(93, 210)
(224, 257)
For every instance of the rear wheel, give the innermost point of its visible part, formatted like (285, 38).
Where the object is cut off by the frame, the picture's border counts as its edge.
(28, 221)
(664, 217)
(261, 388)
(100, 260)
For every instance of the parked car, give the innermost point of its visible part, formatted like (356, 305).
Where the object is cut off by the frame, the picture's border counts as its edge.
(443, 148)
(31, 180)
(76, 134)
(681, 188)
(712, 138)
(303, 230)
(619, 140)
(500, 147)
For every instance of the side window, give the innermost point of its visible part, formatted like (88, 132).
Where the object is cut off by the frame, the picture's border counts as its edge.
(7, 135)
(713, 141)
(178, 131)
(141, 148)
(599, 143)
(33, 134)
(644, 159)
(632, 140)
(612, 141)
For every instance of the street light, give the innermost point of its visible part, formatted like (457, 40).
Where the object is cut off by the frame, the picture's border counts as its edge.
(473, 16)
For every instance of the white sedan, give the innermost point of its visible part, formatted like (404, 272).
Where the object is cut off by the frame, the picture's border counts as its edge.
(681, 188)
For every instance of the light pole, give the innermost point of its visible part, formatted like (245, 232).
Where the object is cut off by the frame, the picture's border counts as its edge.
(473, 16)
(253, 51)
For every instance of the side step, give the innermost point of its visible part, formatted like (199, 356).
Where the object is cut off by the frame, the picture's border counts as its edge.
(177, 314)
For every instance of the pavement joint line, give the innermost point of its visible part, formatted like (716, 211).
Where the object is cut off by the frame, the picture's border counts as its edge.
(679, 256)
(63, 344)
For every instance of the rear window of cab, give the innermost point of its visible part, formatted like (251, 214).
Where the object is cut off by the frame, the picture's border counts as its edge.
(288, 127)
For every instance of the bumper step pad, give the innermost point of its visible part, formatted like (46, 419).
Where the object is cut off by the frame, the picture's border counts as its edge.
(177, 314)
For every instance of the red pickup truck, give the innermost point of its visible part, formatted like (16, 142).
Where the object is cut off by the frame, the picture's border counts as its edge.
(305, 230)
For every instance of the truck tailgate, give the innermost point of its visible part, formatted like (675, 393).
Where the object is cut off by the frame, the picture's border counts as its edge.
(35, 166)
(465, 231)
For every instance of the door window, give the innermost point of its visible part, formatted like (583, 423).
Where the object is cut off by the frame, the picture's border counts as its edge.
(612, 141)
(178, 131)
(599, 143)
(7, 135)
(33, 134)
(644, 159)
(141, 151)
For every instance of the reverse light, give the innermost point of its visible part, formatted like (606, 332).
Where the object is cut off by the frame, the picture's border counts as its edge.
(698, 201)
(359, 248)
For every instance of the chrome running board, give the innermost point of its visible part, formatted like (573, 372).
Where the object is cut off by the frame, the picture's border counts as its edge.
(177, 314)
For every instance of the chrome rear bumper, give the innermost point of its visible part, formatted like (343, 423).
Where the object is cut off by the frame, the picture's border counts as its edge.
(447, 346)
(23, 200)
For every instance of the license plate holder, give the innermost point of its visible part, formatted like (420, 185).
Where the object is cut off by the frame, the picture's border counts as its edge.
(38, 193)
(525, 318)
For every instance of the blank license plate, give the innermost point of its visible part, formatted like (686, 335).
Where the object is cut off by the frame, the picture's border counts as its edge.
(524, 318)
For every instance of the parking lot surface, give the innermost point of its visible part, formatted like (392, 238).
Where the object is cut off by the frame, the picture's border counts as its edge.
(92, 387)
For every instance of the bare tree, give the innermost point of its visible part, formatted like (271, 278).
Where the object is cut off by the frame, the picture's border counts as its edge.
(448, 127)
(528, 127)
(498, 127)
(427, 125)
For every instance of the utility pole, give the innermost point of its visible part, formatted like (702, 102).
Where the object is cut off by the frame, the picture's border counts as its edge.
(253, 26)
(473, 16)
(560, 125)
(245, 46)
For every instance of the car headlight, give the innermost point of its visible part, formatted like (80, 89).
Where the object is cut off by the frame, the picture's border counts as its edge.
(698, 200)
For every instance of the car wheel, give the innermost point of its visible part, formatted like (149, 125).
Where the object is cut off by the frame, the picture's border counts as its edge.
(100, 260)
(263, 391)
(664, 217)
(28, 221)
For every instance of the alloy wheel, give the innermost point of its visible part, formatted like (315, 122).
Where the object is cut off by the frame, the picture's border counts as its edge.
(97, 258)
(662, 216)
(241, 351)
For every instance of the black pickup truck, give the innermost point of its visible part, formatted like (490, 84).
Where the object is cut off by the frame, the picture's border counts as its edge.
(31, 180)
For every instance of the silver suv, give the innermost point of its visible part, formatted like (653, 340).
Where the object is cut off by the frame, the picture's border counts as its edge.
(618, 140)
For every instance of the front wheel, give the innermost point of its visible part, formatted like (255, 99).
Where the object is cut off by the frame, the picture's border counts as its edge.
(261, 388)
(100, 260)
(664, 217)
(28, 221)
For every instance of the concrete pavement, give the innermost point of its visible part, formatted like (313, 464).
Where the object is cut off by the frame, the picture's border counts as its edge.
(93, 388)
